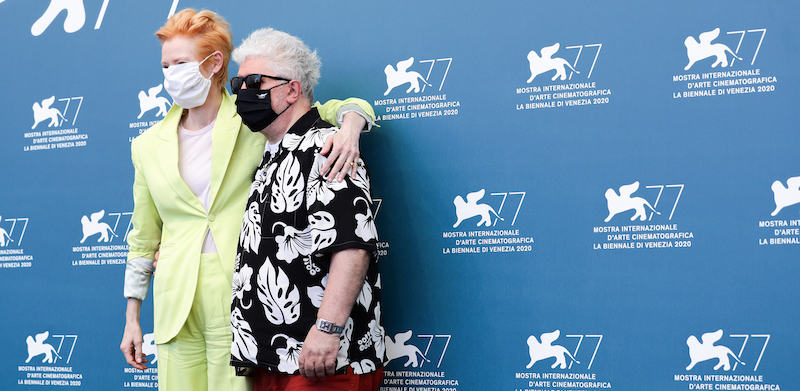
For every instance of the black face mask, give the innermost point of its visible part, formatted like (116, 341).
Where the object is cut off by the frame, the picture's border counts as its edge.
(255, 108)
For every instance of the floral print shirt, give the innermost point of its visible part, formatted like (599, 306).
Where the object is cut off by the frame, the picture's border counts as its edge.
(294, 221)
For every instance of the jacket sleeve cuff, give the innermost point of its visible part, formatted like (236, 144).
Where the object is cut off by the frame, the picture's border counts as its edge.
(353, 107)
(137, 278)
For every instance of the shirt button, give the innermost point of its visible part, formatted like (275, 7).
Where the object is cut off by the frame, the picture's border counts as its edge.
(211, 217)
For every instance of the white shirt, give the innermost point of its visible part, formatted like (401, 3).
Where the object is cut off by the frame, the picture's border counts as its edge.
(194, 164)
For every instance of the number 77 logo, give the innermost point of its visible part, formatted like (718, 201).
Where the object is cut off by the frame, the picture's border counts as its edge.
(580, 341)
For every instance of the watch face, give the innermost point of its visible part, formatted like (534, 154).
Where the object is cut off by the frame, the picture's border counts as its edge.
(324, 325)
(328, 327)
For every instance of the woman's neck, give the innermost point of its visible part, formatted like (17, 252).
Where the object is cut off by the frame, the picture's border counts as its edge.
(201, 116)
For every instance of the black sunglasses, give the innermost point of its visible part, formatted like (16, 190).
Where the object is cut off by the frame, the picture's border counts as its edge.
(252, 81)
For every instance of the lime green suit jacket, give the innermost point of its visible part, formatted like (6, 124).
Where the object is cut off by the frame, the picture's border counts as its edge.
(166, 212)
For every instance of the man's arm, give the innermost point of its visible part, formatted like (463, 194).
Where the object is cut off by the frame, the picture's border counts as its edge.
(345, 281)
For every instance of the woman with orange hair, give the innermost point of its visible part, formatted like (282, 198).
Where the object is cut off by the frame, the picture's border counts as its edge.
(192, 176)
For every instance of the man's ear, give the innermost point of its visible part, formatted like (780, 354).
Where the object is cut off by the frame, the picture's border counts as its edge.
(295, 91)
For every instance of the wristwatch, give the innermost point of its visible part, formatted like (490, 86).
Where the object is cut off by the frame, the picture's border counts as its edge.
(327, 326)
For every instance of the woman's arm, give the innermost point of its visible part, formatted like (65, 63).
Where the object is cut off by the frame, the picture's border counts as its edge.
(143, 241)
(353, 116)
(131, 345)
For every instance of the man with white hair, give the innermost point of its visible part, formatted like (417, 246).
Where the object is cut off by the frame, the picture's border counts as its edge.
(306, 310)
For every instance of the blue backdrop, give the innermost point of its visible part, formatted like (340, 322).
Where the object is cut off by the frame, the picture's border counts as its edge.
(571, 195)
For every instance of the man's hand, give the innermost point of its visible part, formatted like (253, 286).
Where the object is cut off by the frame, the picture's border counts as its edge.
(131, 346)
(343, 148)
(318, 356)
(345, 280)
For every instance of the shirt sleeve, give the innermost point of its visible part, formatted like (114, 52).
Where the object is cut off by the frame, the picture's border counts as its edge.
(340, 213)
(137, 278)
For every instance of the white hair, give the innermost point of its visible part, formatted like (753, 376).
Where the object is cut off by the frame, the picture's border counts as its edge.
(289, 57)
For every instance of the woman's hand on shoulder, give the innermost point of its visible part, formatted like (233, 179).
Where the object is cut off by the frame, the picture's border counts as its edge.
(341, 149)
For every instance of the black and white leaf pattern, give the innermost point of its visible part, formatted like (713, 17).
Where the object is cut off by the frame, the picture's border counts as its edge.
(365, 222)
(362, 180)
(291, 141)
(293, 244)
(280, 298)
(250, 235)
(244, 346)
(315, 138)
(378, 333)
(365, 296)
(260, 180)
(323, 232)
(316, 292)
(241, 282)
(287, 190)
(290, 355)
(304, 218)
(344, 344)
(319, 189)
(363, 366)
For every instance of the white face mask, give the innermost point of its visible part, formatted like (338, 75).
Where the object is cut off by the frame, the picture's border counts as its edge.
(186, 85)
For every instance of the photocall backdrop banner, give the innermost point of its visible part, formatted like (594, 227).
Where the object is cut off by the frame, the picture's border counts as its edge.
(570, 195)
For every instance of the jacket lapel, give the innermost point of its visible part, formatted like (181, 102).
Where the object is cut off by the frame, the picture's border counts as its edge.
(223, 141)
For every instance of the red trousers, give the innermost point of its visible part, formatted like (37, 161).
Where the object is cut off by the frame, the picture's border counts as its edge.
(274, 381)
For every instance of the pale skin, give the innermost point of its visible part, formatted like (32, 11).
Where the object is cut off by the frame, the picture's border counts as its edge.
(341, 148)
(348, 267)
(345, 280)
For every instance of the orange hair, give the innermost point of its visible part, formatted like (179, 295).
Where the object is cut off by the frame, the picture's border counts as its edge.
(209, 31)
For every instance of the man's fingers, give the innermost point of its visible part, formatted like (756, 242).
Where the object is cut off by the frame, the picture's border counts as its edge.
(330, 369)
(308, 372)
(320, 371)
(302, 364)
(317, 370)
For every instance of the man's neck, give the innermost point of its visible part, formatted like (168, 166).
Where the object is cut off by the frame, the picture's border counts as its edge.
(276, 130)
